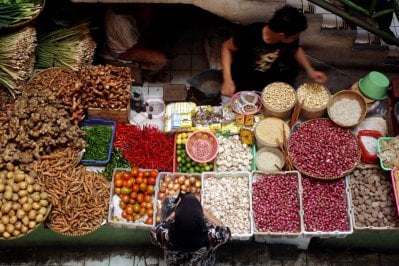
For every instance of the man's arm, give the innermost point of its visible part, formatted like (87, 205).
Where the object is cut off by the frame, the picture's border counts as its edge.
(301, 58)
(228, 49)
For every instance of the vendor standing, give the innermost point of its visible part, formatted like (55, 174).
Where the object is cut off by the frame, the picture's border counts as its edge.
(262, 53)
(190, 235)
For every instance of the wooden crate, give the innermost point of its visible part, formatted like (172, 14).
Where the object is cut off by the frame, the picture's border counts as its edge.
(120, 116)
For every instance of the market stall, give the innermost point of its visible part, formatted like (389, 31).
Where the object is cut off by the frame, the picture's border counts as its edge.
(87, 155)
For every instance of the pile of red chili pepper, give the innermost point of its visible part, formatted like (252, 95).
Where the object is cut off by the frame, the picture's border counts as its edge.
(146, 148)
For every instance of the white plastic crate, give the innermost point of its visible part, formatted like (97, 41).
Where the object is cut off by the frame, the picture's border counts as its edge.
(173, 176)
(224, 194)
(275, 237)
(369, 229)
(114, 211)
(337, 234)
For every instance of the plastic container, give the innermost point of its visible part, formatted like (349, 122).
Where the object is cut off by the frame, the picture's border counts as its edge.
(283, 236)
(114, 212)
(395, 185)
(366, 156)
(315, 92)
(285, 112)
(263, 163)
(225, 194)
(202, 146)
(379, 143)
(269, 131)
(100, 122)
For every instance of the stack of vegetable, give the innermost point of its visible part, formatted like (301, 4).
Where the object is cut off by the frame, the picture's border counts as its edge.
(15, 11)
(17, 59)
(71, 47)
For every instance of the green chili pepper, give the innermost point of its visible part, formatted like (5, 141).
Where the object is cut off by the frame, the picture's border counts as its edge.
(98, 139)
(117, 161)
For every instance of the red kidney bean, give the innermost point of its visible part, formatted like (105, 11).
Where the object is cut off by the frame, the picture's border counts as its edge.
(325, 205)
(275, 202)
(322, 149)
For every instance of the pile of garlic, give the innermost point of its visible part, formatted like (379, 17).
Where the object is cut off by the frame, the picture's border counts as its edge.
(233, 155)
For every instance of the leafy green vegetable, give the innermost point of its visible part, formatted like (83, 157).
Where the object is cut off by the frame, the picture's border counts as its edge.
(98, 139)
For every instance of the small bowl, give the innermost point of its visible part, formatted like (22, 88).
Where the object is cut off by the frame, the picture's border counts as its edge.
(202, 146)
(246, 103)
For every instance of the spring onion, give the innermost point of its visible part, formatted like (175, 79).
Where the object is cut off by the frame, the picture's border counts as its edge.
(14, 11)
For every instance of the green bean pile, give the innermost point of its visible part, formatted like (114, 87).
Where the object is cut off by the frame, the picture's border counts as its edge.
(98, 139)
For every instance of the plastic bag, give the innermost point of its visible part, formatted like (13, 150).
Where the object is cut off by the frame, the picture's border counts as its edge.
(373, 123)
(368, 144)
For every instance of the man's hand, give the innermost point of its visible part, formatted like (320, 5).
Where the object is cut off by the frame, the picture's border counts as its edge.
(228, 88)
(317, 76)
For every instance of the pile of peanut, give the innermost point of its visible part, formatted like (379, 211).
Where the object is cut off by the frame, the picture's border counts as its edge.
(313, 95)
(373, 199)
(279, 96)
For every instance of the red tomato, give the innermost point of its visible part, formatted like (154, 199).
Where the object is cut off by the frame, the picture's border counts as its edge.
(154, 173)
(149, 220)
(136, 188)
(128, 183)
(136, 207)
(122, 205)
(139, 180)
(149, 205)
(140, 198)
(140, 175)
(143, 187)
(151, 180)
(125, 175)
(147, 198)
(133, 195)
(118, 183)
(124, 198)
(145, 180)
(134, 171)
(147, 173)
(142, 211)
(150, 189)
(143, 204)
(136, 217)
(150, 212)
(124, 214)
(132, 201)
(130, 218)
(118, 175)
(129, 209)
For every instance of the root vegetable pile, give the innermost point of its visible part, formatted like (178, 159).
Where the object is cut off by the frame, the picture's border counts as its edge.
(321, 149)
(79, 198)
(325, 205)
(146, 148)
(24, 203)
(227, 197)
(373, 199)
(275, 203)
(39, 124)
(105, 86)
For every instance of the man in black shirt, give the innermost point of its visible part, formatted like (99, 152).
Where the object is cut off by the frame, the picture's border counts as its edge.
(261, 53)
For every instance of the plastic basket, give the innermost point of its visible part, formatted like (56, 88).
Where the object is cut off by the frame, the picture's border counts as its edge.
(379, 144)
(395, 188)
(202, 146)
(98, 122)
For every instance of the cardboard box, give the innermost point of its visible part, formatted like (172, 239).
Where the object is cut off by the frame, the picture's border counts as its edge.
(174, 93)
(117, 115)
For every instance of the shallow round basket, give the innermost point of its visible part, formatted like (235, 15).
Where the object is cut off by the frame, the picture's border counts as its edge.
(32, 229)
(241, 105)
(75, 235)
(202, 146)
(25, 22)
(351, 95)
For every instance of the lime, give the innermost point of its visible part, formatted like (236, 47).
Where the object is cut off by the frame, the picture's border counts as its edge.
(208, 168)
(178, 152)
(197, 168)
(178, 159)
(192, 170)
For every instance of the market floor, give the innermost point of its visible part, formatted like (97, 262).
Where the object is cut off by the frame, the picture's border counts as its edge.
(229, 254)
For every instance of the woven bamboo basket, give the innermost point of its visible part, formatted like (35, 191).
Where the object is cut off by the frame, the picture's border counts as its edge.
(26, 22)
(352, 95)
(32, 229)
(329, 177)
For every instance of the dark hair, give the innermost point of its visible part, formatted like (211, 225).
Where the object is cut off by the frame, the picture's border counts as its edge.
(288, 20)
